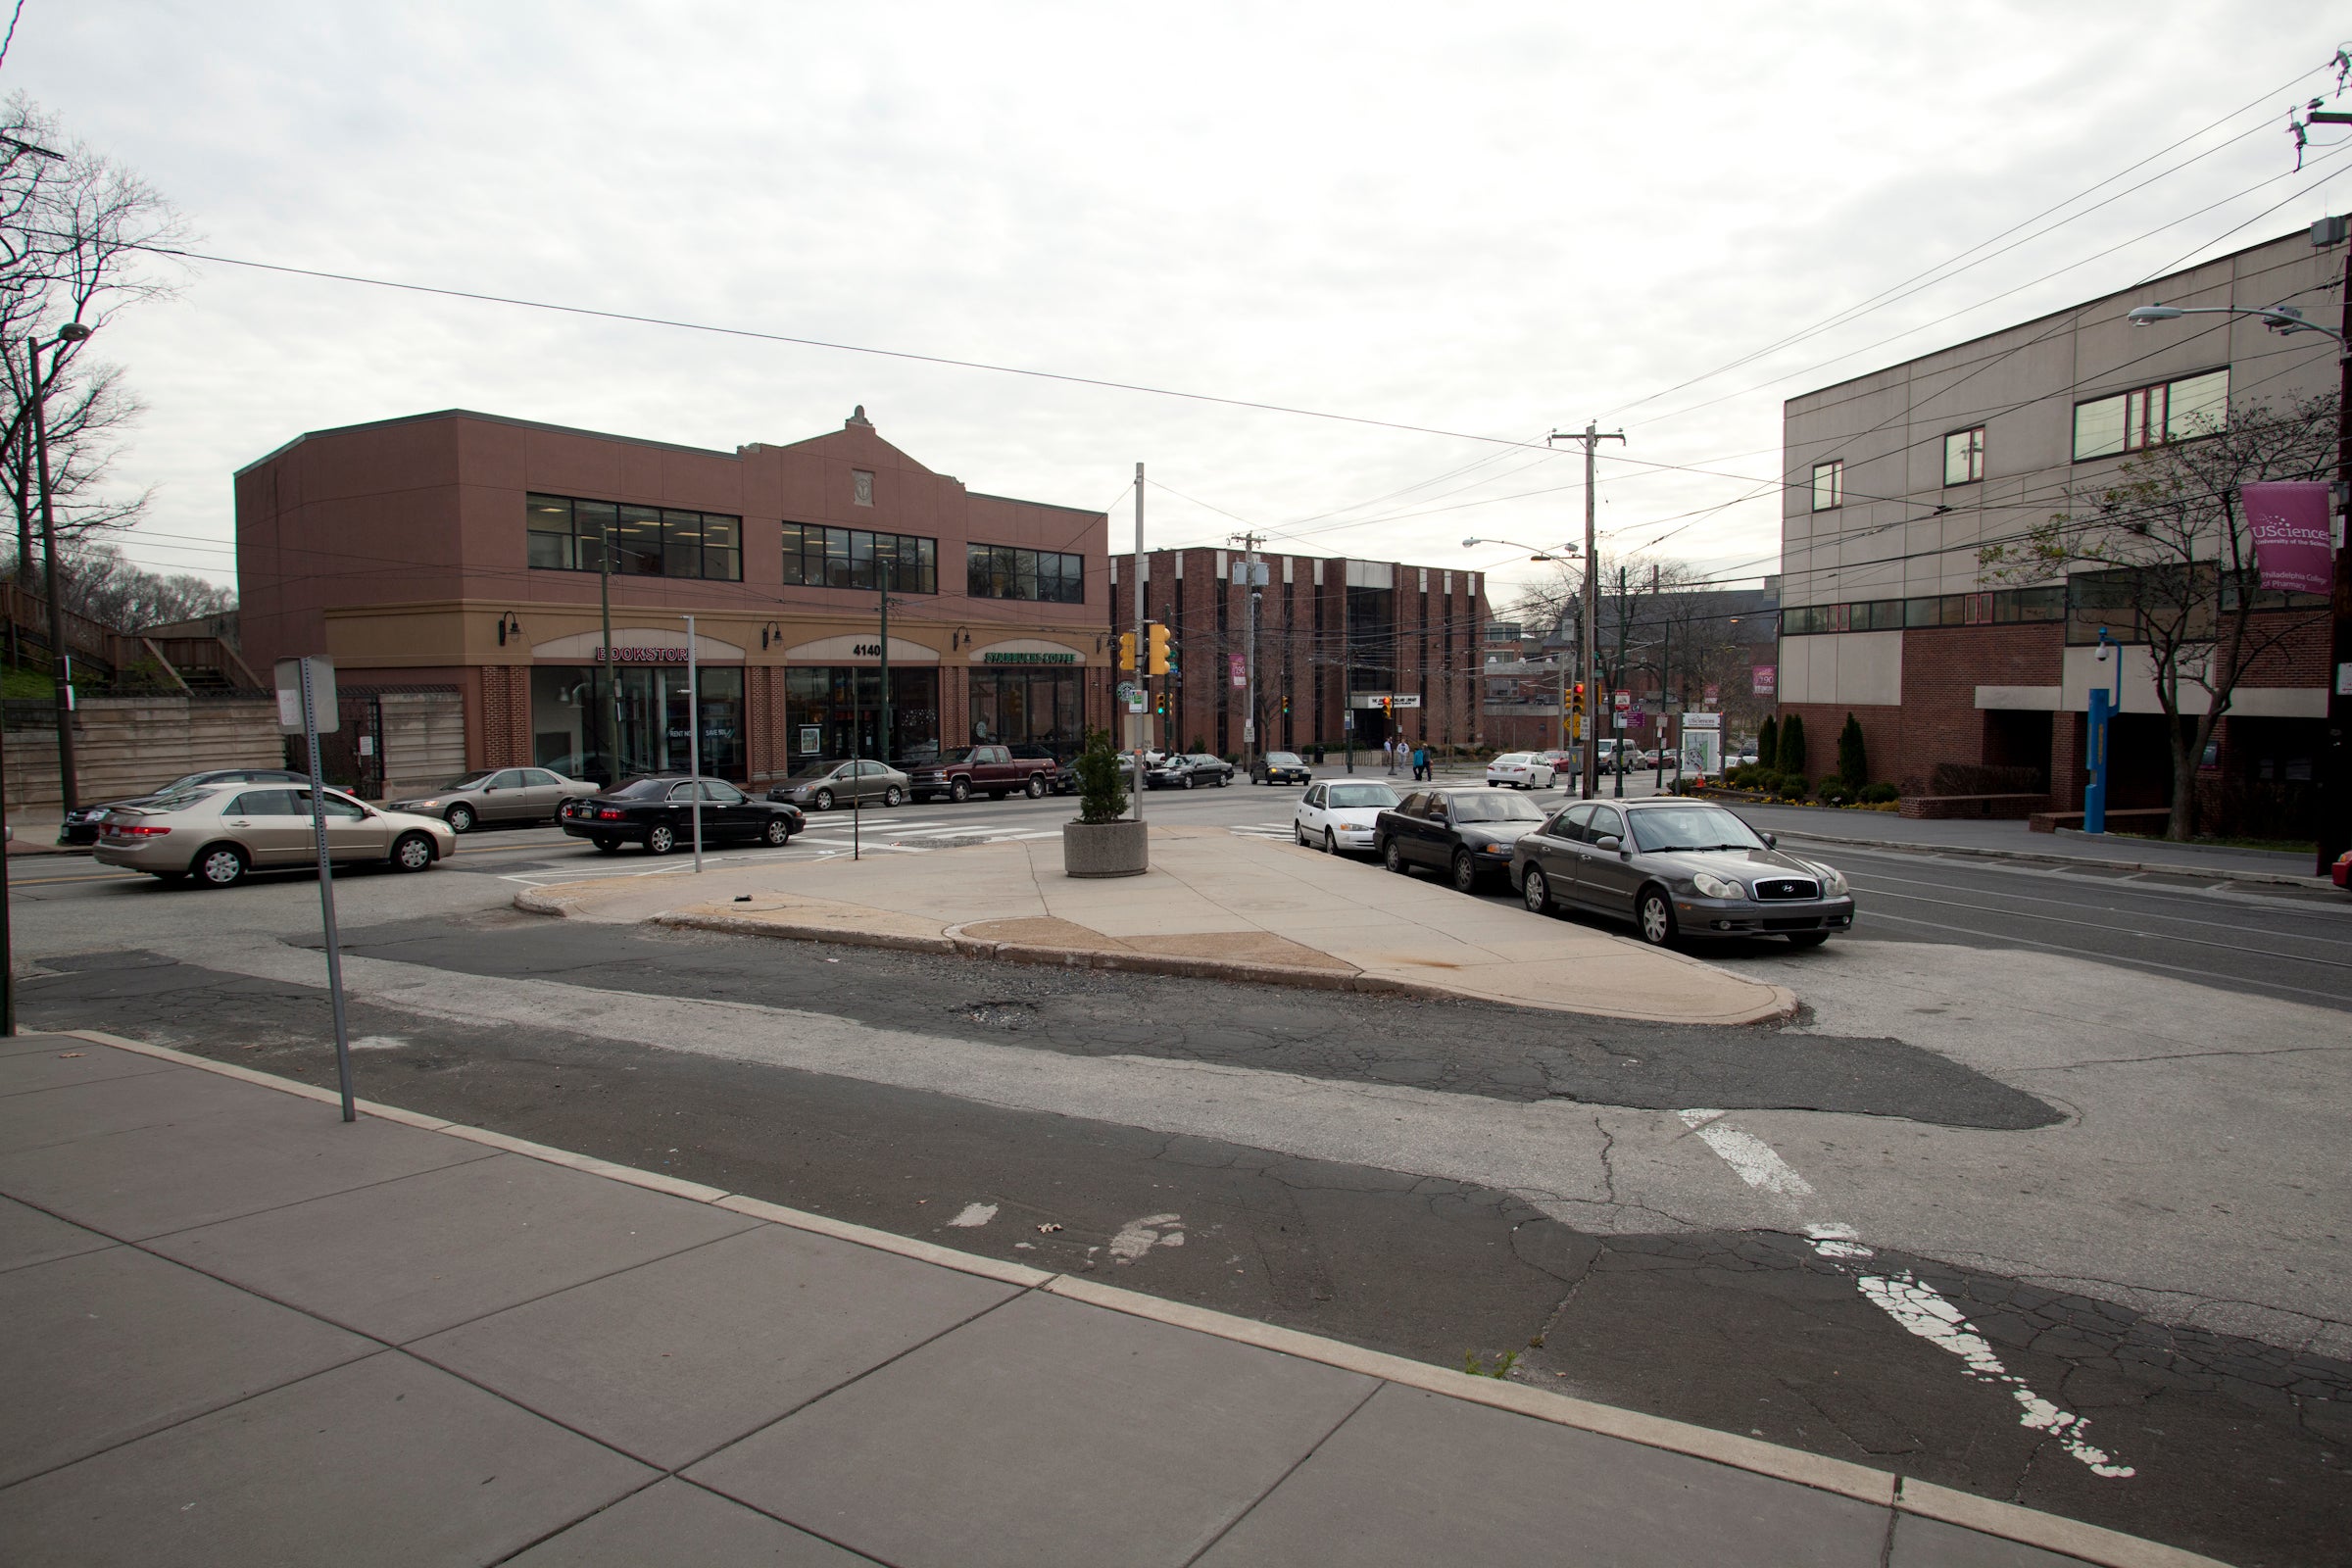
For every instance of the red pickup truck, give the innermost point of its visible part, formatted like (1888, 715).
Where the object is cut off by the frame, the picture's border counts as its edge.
(970, 770)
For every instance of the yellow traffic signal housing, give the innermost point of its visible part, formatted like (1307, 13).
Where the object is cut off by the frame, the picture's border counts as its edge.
(1159, 654)
(1127, 652)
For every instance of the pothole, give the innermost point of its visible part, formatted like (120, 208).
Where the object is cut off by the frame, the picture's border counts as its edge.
(999, 1015)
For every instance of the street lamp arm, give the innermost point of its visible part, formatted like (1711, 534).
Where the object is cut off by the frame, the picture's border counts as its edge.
(2279, 318)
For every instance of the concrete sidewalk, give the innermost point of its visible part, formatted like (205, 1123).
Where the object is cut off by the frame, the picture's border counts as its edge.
(1216, 903)
(2016, 841)
(242, 1331)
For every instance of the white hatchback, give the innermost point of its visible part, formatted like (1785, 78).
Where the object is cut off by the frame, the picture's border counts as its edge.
(1525, 770)
(1338, 813)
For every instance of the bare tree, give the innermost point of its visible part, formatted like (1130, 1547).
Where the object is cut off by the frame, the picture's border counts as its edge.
(95, 582)
(2171, 562)
(79, 241)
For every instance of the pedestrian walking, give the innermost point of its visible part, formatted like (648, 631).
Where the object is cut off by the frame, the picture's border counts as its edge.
(1421, 762)
(1388, 754)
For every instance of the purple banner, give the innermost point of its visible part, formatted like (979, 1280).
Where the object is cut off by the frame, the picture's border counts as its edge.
(2292, 550)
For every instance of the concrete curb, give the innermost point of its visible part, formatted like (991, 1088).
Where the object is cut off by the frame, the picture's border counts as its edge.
(2026, 856)
(2090, 1543)
(1783, 1006)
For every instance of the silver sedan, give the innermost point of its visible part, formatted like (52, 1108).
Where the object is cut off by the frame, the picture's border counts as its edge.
(219, 835)
(821, 786)
(496, 796)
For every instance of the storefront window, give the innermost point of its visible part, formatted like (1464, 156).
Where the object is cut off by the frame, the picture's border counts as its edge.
(570, 729)
(834, 711)
(1026, 706)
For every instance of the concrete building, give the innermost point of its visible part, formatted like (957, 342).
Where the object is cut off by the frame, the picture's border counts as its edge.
(1334, 636)
(470, 550)
(1894, 481)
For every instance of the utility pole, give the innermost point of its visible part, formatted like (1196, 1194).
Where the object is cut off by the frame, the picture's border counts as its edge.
(2336, 759)
(882, 728)
(1142, 661)
(1249, 543)
(1591, 436)
(604, 594)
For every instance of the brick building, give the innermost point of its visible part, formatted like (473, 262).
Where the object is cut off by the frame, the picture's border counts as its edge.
(471, 551)
(1334, 636)
(1895, 480)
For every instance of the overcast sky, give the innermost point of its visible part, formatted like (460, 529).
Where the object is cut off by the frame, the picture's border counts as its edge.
(1494, 220)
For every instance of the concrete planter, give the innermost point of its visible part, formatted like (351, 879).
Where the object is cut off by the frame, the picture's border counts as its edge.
(1105, 848)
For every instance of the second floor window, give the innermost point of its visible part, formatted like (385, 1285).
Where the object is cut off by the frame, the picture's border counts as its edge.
(1003, 571)
(818, 557)
(1829, 485)
(2150, 415)
(1964, 456)
(571, 535)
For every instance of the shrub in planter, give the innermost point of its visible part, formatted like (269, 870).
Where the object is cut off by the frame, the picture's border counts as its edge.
(1834, 792)
(1853, 761)
(1102, 787)
(1793, 786)
(1768, 743)
(1792, 745)
(1879, 795)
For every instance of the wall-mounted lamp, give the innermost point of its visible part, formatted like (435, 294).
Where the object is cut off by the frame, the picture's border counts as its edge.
(770, 633)
(960, 636)
(508, 626)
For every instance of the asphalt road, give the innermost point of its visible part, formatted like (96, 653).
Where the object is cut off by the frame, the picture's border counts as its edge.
(1406, 1174)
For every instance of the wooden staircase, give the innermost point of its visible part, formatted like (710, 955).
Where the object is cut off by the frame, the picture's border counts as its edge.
(106, 656)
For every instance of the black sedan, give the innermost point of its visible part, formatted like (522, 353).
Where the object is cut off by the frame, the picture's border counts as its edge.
(658, 812)
(1467, 833)
(1181, 770)
(82, 823)
(1065, 778)
(1280, 768)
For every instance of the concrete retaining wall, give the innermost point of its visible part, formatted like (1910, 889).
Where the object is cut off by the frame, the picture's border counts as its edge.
(125, 745)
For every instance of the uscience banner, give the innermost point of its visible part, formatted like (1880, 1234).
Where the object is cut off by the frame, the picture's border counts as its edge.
(2291, 545)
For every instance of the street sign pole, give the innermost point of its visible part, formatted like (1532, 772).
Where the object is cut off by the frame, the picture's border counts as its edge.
(307, 673)
(694, 743)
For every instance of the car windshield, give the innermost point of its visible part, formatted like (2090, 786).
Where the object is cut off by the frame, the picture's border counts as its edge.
(1360, 797)
(1484, 808)
(961, 754)
(1283, 759)
(1692, 827)
(471, 781)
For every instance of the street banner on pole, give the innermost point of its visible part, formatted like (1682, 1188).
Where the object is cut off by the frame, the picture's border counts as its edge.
(1763, 679)
(1241, 670)
(2291, 544)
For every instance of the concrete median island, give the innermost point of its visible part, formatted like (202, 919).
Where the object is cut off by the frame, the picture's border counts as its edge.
(1216, 905)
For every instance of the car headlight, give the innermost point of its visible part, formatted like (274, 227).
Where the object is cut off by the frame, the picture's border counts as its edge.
(1495, 849)
(1716, 887)
(1833, 883)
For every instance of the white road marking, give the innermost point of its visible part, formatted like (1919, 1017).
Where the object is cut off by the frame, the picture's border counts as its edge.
(1926, 1313)
(1753, 1159)
(1917, 1309)
(378, 1043)
(1139, 1235)
(975, 1215)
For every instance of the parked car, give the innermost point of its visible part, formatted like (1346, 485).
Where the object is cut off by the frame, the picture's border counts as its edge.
(1467, 833)
(1678, 868)
(500, 794)
(821, 786)
(1563, 765)
(992, 770)
(1339, 814)
(82, 823)
(658, 812)
(1524, 770)
(2340, 873)
(220, 833)
(1065, 778)
(1280, 768)
(1181, 770)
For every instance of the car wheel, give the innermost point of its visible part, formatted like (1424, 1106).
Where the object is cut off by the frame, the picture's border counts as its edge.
(461, 819)
(1035, 789)
(604, 843)
(1654, 914)
(221, 866)
(1188, 781)
(892, 796)
(661, 838)
(1393, 858)
(412, 852)
(1808, 939)
(1298, 835)
(1465, 872)
(822, 800)
(961, 791)
(778, 831)
(1223, 780)
(1535, 892)
(1494, 783)
(562, 810)
(1331, 844)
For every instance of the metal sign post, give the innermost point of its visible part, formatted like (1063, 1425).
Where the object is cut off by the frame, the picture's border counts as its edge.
(305, 688)
(694, 742)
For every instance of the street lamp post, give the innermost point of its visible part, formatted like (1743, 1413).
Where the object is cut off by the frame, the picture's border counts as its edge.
(1557, 557)
(2334, 827)
(2103, 709)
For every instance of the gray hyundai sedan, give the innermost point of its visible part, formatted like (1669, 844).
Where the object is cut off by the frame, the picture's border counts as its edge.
(1678, 867)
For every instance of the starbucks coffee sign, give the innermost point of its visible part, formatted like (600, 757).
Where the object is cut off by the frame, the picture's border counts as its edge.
(1027, 650)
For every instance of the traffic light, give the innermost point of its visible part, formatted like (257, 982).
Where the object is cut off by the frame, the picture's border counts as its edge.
(1163, 657)
(1127, 650)
(1286, 705)
(1160, 705)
